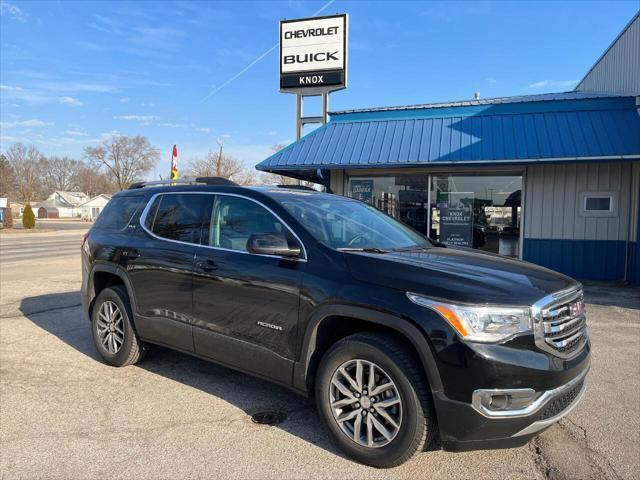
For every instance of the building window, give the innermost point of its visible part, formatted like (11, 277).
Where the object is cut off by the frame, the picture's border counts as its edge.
(598, 204)
(474, 211)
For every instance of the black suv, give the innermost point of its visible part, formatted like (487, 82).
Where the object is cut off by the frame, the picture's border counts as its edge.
(403, 342)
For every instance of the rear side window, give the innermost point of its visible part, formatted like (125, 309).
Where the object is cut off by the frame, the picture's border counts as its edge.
(119, 212)
(178, 216)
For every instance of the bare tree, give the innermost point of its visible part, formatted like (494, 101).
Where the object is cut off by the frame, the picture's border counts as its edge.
(60, 173)
(7, 177)
(216, 164)
(274, 178)
(94, 182)
(127, 159)
(246, 177)
(26, 163)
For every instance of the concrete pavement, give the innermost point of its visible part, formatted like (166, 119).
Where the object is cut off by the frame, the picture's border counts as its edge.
(65, 414)
(19, 247)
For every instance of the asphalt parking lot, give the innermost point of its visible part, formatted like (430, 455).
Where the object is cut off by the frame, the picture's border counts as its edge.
(65, 414)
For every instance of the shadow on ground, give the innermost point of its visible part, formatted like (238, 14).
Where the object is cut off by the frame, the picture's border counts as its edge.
(612, 294)
(248, 393)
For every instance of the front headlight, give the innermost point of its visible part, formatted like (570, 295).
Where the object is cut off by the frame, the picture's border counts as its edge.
(487, 324)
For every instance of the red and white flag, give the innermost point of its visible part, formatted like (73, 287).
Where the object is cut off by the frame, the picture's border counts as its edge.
(174, 163)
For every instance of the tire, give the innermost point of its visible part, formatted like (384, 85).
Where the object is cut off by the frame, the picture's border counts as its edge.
(413, 418)
(123, 347)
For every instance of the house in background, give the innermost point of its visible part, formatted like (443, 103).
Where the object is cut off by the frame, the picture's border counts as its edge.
(17, 209)
(92, 208)
(67, 203)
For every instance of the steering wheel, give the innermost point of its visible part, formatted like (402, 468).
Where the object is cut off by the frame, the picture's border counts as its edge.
(359, 236)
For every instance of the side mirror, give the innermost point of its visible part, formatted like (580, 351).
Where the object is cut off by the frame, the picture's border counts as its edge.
(271, 244)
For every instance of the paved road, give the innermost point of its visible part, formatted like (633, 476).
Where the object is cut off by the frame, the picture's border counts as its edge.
(65, 414)
(55, 224)
(38, 246)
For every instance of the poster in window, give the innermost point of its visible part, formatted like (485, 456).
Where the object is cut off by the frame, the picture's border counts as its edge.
(456, 218)
(362, 190)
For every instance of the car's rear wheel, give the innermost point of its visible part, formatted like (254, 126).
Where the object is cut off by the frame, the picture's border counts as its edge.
(113, 332)
(374, 400)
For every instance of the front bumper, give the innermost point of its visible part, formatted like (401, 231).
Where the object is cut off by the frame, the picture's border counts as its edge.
(466, 426)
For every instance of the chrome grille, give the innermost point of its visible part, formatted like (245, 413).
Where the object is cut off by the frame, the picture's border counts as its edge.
(560, 324)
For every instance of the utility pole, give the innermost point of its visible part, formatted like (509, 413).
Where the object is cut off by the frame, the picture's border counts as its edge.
(219, 161)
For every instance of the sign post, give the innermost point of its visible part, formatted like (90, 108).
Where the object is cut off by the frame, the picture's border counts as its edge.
(313, 62)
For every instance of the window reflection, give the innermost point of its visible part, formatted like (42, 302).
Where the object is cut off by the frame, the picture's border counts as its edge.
(405, 197)
(475, 211)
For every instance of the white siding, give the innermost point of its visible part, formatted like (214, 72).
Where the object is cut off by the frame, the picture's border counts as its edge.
(552, 200)
(618, 70)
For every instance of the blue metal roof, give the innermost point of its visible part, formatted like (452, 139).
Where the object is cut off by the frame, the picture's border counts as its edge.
(540, 97)
(564, 127)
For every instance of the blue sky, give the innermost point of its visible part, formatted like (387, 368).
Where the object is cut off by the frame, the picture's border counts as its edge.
(73, 72)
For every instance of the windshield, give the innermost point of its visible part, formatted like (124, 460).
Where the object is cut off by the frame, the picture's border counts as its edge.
(342, 223)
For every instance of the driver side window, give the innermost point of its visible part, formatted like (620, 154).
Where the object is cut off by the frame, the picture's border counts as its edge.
(235, 219)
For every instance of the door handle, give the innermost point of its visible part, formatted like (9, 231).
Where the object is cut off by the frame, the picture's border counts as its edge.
(206, 265)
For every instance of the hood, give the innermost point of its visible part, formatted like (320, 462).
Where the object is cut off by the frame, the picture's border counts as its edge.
(461, 275)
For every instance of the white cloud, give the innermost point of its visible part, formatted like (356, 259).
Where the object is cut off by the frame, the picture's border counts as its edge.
(272, 133)
(553, 84)
(25, 123)
(141, 119)
(75, 133)
(8, 139)
(10, 88)
(63, 87)
(203, 129)
(41, 92)
(73, 102)
(172, 125)
(10, 9)
(226, 135)
(125, 100)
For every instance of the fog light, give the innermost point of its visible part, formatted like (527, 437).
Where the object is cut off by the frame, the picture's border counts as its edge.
(498, 402)
(504, 402)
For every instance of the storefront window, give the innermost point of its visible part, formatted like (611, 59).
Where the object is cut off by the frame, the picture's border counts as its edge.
(404, 197)
(479, 211)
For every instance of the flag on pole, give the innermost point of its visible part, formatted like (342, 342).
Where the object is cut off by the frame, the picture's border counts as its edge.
(174, 163)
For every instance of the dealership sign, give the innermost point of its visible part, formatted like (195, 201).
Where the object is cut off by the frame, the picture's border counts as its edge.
(313, 53)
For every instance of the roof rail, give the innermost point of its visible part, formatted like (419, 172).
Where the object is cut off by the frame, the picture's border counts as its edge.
(297, 187)
(218, 181)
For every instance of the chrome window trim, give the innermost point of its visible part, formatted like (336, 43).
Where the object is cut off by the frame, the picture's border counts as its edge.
(143, 217)
(542, 306)
(534, 407)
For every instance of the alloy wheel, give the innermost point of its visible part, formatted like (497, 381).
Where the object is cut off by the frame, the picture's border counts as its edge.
(110, 326)
(365, 403)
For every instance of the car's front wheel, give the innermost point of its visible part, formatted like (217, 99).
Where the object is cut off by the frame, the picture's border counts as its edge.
(374, 400)
(112, 328)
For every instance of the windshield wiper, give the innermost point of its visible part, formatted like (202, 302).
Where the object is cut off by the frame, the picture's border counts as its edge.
(363, 249)
(414, 248)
